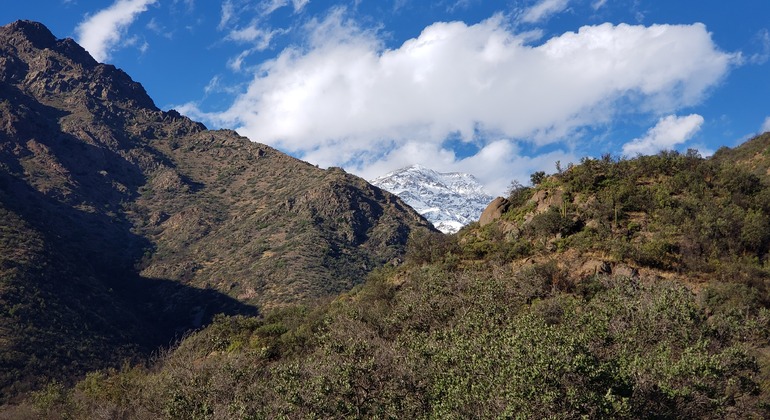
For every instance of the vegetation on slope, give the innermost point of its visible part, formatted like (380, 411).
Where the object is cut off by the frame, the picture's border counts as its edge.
(641, 293)
(261, 226)
(123, 226)
(673, 212)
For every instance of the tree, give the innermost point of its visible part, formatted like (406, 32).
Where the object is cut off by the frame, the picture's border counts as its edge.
(537, 177)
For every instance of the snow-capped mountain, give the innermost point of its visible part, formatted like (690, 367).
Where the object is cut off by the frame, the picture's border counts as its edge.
(448, 200)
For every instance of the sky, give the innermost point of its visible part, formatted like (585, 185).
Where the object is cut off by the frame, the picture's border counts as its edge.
(498, 89)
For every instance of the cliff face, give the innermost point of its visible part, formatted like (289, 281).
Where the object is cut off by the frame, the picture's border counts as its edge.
(124, 224)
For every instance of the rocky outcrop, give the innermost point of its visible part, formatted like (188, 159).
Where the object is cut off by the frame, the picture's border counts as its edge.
(546, 198)
(494, 211)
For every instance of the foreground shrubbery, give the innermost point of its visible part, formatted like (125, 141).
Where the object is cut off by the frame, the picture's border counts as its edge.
(457, 343)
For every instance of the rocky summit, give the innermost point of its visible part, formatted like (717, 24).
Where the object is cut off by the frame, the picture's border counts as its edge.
(122, 226)
(448, 200)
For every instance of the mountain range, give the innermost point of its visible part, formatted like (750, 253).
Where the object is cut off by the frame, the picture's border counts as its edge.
(152, 268)
(448, 200)
(618, 288)
(123, 226)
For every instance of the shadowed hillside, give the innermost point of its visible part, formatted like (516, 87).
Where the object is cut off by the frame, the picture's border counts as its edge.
(125, 226)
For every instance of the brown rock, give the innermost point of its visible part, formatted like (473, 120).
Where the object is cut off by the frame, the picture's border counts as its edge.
(545, 199)
(593, 267)
(494, 210)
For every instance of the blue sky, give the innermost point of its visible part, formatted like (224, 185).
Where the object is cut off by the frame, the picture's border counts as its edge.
(499, 89)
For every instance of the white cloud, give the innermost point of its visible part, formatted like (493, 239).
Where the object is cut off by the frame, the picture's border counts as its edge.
(598, 4)
(667, 133)
(228, 12)
(495, 165)
(452, 8)
(260, 37)
(299, 5)
(345, 100)
(100, 33)
(543, 9)
(144, 47)
(500, 162)
(213, 85)
(259, 32)
(159, 29)
(762, 38)
(270, 6)
(236, 63)
(766, 125)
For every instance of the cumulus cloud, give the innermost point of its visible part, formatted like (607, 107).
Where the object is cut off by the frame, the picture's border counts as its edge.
(669, 132)
(543, 9)
(344, 99)
(100, 33)
(496, 164)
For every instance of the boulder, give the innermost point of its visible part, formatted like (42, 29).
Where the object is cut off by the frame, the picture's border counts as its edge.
(494, 210)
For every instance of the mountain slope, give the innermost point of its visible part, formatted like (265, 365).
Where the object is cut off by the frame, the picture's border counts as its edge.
(753, 155)
(615, 289)
(448, 200)
(126, 225)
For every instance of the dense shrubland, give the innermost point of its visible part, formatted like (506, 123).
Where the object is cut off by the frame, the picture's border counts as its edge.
(499, 321)
(671, 211)
(457, 343)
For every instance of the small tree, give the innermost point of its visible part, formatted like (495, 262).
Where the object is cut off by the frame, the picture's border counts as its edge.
(537, 177)
(517, 193)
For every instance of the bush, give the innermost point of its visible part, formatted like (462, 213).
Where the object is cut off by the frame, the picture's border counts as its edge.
(424, 247)
(551, 223)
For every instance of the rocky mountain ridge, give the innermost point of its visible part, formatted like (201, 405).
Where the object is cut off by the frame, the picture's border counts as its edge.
(123, 226)
(448, 200)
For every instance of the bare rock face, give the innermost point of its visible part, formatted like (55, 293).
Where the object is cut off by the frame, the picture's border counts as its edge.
(545, 199)
(61, 70)
(494, 210)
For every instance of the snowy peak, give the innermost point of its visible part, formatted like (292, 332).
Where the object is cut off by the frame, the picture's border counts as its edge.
(448, 200)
